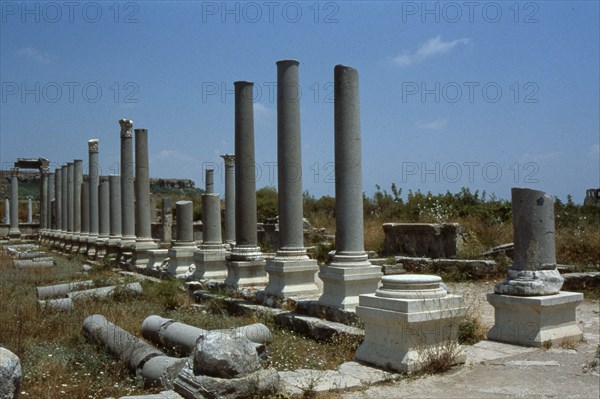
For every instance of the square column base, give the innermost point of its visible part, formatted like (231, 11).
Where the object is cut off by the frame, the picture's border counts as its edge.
(156, 257)
(292, 278)
(101, 248)
(91, 246)
(210, 264)
(140, 257)
(343, 285)
(532, 321)
(406, 334)
(245, 273)
(180, 259)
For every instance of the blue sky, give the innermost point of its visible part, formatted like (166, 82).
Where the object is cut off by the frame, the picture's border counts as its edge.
(486, 95)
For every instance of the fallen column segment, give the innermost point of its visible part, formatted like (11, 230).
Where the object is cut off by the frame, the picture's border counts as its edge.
(152, 365)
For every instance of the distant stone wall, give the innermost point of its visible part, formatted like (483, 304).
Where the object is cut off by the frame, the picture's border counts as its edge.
(431, 240)
(172, 183)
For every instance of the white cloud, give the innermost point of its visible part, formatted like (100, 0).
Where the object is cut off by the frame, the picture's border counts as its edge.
(430, 48)
(437, 124)
(37, 55)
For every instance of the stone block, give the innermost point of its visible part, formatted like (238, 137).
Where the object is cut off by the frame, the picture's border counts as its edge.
(532, 321)
(434, 240)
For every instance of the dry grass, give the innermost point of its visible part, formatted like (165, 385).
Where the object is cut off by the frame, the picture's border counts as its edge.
(58, 362)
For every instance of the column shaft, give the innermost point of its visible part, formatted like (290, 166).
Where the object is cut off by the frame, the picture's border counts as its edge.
(44, 200)
(229, 197)
(210, 181)
(127, 181)
(142, 185)
(103, 207)
(185, 222)
(114, 182)
(64, 206)
(70, 196)
(289, 160)
(14, 204)
(94, 181)
(349, 236)
(245, 177)
(58, 199)
(211, 221)
(51, 195)
(77, 183)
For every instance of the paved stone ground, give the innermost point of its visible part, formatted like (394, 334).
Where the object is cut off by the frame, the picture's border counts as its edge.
(496, 370)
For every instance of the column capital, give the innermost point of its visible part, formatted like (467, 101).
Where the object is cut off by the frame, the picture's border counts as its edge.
(126, 126)
(229, 159)
(93, 145)
(45, 170)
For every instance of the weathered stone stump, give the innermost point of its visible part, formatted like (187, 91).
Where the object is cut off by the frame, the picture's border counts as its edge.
(181, 253)
(529, 308)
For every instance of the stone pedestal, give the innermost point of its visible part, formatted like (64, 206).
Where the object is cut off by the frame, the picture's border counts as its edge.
(143, 221)
(533, 321)
(181, 253)
(408, 322)
(245, 264)
(14, 231)
(349, 274)
(156, 257)
(529, 308)
(291, 273)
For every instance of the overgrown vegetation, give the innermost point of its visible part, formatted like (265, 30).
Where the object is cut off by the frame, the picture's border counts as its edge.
(58, 362)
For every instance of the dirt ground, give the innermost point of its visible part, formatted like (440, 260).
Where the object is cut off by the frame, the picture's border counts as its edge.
(559, 372)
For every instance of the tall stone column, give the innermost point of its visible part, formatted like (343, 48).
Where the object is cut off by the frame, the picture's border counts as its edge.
(44, 201)
(14, 231)
(50, 196)
(210, 181)
(291, 272)
(64, 206)
(103, 218)
(127, 183)
(70, 205)
(229, 198)
(29, 209)
(180, 254)
(114, 183)
(6, 210)
(209, 260)
(143, 225)
(57, 200)
(85, 215)
(529, 307)
(350, 273)
(245, 264)
(94, 181)
(78, 243)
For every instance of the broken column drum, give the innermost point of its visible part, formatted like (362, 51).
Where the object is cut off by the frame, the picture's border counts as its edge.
(180, 254)
(291, 272)
(6, 210)
(229, 160)
(529, 308)
(350, 273)
(209, 260)
(210, 181)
